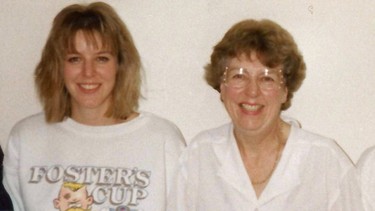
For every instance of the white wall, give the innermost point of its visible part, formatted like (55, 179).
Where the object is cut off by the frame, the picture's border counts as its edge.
(175, 39)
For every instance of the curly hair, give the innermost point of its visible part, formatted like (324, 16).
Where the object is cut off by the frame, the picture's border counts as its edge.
(273, 45)
(96, 18)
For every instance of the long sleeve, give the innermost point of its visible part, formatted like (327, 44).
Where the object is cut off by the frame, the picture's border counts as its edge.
(178, 199)
(349, 195)
(11, 173)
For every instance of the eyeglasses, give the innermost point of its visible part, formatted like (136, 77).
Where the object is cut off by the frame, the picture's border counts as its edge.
(267, 79)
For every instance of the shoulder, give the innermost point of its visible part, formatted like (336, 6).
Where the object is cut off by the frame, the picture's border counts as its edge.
(299, 135)
(155, 121)
(321, 147)
(218, 135)
(367, 160)
(161, 127)
(26, 129)
(315, 140)
(30, 123)
(205, 146)
(366, 172)
(214, 134)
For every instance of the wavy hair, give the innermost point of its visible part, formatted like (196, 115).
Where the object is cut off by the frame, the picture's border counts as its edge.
(273, 45)
(96, 18)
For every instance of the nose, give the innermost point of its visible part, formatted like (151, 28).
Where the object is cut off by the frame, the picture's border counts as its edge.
(252, 88)
(88, 69)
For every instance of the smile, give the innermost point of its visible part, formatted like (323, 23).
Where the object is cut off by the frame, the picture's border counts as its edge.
(74, 205)
(89, 86)
(250, 107)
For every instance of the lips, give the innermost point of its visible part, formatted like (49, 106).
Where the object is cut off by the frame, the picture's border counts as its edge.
(75, 205)
(89, 86)
(251, 107)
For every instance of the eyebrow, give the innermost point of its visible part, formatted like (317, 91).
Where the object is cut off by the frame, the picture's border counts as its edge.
(100, 52)
(252, 70)
(105, 52)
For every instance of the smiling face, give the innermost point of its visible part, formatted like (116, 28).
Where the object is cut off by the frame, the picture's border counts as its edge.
(89, 75)
(252, 109)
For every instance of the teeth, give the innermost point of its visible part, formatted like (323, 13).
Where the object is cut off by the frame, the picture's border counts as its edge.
(89, 86)
(251, 107)
(74, 205)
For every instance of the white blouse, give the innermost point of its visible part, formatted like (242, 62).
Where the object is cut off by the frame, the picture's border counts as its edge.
(313, 174)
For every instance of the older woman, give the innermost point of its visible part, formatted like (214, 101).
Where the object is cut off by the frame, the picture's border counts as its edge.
(261, 161)
(90, 149)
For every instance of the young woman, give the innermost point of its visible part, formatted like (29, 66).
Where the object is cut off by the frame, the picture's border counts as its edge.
(90, 148)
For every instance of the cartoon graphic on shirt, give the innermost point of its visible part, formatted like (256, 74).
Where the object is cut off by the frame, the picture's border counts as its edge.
(94, 187)
(73, 197)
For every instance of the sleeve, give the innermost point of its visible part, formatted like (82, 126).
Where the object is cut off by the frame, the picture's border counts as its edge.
(345, 194)
(173, 149)
(349, 195)
(185, 185)
(11, 172)
(179, 193)
(366, 172)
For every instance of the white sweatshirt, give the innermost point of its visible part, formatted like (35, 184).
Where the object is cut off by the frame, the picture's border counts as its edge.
(127, 166)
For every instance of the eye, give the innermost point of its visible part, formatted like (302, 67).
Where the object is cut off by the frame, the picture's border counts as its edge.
(268, 78)
(73, 59)
(237, 74)
(67, 196)
(103, 59)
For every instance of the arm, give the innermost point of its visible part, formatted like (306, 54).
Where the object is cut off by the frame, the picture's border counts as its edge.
(179, 198)
(173, 149)
(11, 172)
(185, 187)
(349, 195)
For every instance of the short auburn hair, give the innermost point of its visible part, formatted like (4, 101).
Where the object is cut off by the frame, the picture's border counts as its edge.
(273, 46)
(95, 18)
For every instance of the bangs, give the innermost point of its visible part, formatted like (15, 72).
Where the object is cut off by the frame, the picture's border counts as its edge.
(265, 53)
(92, 24)
(92, 37)
(248, 37)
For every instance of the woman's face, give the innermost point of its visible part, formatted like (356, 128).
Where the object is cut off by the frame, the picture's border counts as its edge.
(253, 108)
(89, 75)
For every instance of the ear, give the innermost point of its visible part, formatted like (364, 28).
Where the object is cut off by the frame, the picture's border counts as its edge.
(284, 96)
(90, 200)
(56, 203)
(221, 91)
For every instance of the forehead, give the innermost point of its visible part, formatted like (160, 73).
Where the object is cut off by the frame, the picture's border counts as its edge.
(250, 61)
(89, 38)
(65, 190)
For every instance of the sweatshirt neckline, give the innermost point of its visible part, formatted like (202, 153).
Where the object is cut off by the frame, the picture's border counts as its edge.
(125, 127)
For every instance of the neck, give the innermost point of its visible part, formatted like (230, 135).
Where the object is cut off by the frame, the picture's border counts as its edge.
(95, 118)
(254, 143)
(260, 153)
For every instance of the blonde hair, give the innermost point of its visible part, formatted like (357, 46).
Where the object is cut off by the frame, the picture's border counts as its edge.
(73, 186)
(273, 45)
(96, 18)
